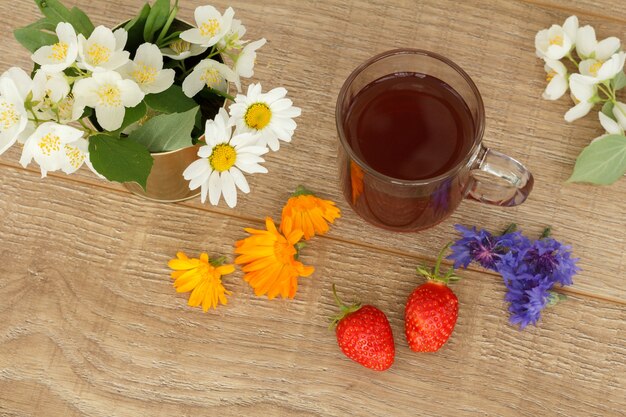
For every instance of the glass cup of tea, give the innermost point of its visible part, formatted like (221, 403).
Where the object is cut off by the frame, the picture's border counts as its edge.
(410, 125)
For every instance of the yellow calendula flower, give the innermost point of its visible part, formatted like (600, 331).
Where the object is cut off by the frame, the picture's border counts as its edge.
(270, 260)
(203, 277)
(309, 213)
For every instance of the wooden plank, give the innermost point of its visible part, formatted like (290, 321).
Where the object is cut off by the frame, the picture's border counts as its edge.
(90, 325)
(498, 52)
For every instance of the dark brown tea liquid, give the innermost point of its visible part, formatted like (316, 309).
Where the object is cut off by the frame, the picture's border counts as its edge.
(407, 126)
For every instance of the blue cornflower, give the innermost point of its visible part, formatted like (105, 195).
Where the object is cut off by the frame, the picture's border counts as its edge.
(552, 259)
(528, 295)
(481, 246)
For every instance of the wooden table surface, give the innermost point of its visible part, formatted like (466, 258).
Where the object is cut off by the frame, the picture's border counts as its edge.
(90, 323)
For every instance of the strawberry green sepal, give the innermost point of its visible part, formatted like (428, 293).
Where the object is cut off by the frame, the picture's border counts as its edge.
(345, 310)
(434, 274)
(302, 190)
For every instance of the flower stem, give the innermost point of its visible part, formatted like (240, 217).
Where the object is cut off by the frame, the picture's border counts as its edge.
(510, 229)
(222, 94)
(546, 232)
(569, 56)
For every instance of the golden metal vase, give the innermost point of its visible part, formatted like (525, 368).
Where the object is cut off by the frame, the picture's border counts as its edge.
(165, 182)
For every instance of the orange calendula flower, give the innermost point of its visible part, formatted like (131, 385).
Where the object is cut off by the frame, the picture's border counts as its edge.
(270, 260)
(203, 277)
(309, 213)
(356, 177)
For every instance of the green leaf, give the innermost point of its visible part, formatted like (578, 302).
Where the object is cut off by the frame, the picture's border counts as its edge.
(81, 22)
(607, 109)
(603, 162)
(135, 29)
(120, 160)
(33, 38)
(619, 81)
(54, 10)
(133, 114)
(166, 132)
(172, 100)
(142, 16)
(156, 19)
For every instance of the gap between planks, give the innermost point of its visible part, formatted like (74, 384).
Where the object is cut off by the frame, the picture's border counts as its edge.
(422, 258)
(572, 10)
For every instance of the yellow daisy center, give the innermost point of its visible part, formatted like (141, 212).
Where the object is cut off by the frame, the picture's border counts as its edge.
(109, 96)
(75, 156)
(223, 157)
(59, 51)
(258, 116)
(210, 27)
(593, 70)
(180, 46)
(49, 143)
(211, 77)
(144, 74)
(98, 54)
(8, 116)
(556, 40)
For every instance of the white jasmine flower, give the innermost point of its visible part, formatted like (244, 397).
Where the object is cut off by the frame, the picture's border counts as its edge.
(596, 71)
(147, 70)
(21, 80)
(588, 47)
(557, 41)
(104, 50)
(211, 26)
(583, 94)
(244, 64)
(557, 79)
(233, 39)
(76, 153)
(219, 170)
(109, 95)
(611, 126)
(181, 49)
(48, 147)
(211, 74)
(13, 117)
(269, 116)
(50, 88)
(61, 55)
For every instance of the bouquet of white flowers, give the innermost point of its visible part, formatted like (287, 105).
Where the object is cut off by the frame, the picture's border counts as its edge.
(600, 75)
(111, 97)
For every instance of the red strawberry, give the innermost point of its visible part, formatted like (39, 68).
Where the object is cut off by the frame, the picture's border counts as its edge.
(364, 335)
(432, 310)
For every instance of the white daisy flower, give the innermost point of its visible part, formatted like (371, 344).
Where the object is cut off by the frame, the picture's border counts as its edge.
(104, 50)
(52, 147)
(219, 170)
(209, 73)
(146, 69)
(211, 26)
(21, 80)
(13, 117)
(109, 95)
(269, 116)
(244, 64)
(180, 49)
(61, 55)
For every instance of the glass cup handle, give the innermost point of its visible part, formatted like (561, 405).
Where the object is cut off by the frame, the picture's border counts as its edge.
(499, 179)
